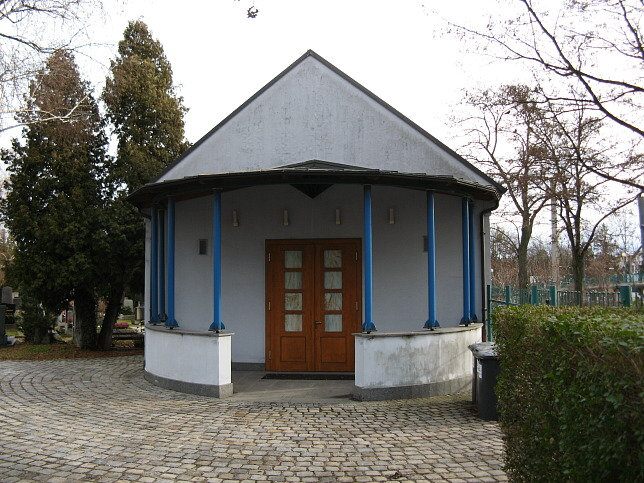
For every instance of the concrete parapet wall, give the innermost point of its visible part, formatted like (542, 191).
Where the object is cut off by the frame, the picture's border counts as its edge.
(414, 364)
(187, 361)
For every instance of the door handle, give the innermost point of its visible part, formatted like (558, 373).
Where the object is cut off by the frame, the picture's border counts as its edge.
(317, 322)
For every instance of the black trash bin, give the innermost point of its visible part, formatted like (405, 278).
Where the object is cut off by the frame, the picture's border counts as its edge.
(486, 370)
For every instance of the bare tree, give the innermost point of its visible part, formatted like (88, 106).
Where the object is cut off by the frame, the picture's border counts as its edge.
(603, 261)
(503, 257)
(502, 138)
(28, 33)
(584, 200)
(539, 262)
(584, 53)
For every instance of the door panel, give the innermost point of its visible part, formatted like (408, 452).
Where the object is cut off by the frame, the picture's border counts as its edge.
(336, 308)
(333, 350)
(293, 349)
(289, 306)
(313, 289)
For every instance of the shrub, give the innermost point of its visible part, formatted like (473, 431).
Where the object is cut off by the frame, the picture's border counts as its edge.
(121, 324)
(126, 310)
(34, 322)
(570, 393)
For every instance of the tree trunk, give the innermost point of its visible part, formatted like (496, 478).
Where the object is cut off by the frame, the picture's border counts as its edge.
(85, 325)
(522, 260)
(578, 273)
(114, 301)
(41, 335)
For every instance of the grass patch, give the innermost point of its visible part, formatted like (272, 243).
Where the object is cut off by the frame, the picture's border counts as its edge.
(33, 352)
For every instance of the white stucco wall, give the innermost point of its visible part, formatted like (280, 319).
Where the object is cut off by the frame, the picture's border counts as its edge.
(400, 264)
(313, 113)
(410, 359)
(194, 358)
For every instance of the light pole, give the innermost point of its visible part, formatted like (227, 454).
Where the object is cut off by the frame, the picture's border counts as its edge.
(624, 261)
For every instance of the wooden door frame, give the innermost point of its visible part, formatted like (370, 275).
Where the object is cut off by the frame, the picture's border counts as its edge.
(270, 361)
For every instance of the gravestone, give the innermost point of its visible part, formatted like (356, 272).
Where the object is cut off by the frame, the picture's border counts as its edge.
(3, 333)
(7, 295)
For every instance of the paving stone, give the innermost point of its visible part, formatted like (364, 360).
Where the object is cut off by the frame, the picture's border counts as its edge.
(99, 420)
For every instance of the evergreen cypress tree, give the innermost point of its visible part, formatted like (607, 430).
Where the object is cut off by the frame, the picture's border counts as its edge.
(147, 117)
(143, 107)
(54, 194)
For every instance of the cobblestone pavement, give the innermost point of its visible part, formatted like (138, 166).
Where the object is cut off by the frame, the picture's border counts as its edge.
(99, 420)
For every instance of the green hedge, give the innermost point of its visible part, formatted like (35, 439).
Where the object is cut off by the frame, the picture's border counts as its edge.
(571, 393)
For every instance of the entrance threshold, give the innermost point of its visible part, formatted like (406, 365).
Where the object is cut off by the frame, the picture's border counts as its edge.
(253, 386)
(312, 376)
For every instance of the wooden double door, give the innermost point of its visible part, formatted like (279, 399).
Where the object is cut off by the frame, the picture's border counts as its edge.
(313, 304)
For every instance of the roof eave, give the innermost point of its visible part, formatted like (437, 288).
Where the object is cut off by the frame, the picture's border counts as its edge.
(154, 192)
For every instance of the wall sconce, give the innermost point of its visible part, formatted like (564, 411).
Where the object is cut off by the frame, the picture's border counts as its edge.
(337, 216)
(392, 217)
(285, 220)
(235, 218)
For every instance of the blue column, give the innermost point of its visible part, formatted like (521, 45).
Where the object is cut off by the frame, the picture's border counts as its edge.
(154, 267)
(431, 264)
(368, 325)
(466, 262)
(472, 239)
(217, 324)
(162, 287)
(171, 321)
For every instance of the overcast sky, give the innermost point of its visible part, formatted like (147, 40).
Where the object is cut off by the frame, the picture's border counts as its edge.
(401, 50)
(398, 49)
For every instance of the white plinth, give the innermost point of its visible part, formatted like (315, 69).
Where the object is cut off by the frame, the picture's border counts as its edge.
(414, 364)
(189, 361)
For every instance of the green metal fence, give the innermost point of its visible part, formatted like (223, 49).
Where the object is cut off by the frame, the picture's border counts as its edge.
(618, 279)
(504, 296)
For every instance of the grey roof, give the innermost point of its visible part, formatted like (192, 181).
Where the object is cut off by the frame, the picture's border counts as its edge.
(310, 173)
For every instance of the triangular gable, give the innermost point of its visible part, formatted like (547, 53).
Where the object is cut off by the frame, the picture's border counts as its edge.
(324, 165)
(312, 110)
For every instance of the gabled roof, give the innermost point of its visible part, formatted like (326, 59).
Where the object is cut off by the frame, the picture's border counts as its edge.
(352, 82)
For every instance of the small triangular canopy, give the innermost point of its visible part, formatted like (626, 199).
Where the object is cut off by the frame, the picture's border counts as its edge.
(313, 111)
